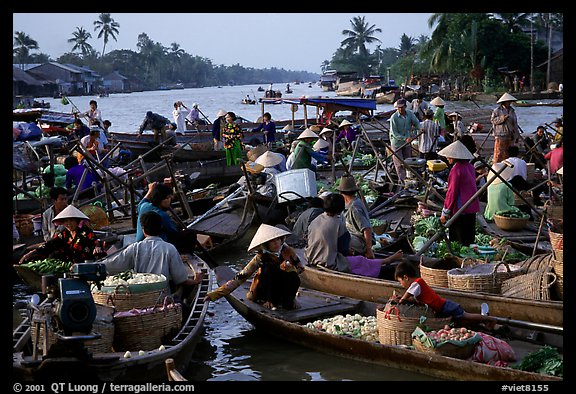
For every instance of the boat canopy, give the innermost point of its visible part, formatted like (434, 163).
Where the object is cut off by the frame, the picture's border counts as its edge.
(341, 104)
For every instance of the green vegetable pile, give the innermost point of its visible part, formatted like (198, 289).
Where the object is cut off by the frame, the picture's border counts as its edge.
(546, 361)
(513, 214)
(49, 266)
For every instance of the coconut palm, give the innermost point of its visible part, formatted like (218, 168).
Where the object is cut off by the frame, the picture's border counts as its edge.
(22, 45)
(514, 21)
(106, 27)
(360, 35)
(79, 39)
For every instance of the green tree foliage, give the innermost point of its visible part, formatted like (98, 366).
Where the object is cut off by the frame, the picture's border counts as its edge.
(107, 28)
(80, 40)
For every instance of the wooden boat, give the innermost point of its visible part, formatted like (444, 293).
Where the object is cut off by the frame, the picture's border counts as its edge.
(113, 366)
(225, 222)
(386, 98)
(289, 325)
(248, 101)
(379, 290)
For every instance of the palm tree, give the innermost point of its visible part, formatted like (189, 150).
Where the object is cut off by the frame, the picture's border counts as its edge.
(80, 38)
(514, 21)
(360, 35)
(22, 45)
(107, 28)
(175, 55)
(406, 45)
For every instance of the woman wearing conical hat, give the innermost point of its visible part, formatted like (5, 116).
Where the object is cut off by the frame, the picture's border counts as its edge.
(461, 187)
(275, 268)
(439, 114)
(347, 133)
(304, 152)
(76, 243)
(505, 126)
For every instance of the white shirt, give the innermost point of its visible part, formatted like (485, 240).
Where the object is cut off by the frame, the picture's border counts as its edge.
(179, 115)
(193, 115)
(520, 168)
(102, 140)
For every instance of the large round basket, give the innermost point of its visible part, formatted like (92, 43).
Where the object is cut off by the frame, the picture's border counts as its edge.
(395, 329)
(483, 278)
(124, 298)
(447, 349)
(149, 328)
(510, 224)
(435, 273)
(535, 285)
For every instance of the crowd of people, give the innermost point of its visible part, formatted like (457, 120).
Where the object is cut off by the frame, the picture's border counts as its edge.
(336, 229)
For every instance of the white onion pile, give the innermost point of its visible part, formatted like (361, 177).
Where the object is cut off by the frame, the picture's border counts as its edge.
(355, 326)
(136, 279)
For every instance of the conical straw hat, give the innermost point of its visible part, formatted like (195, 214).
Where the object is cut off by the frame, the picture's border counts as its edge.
(506, 174)
(320, 144)
(560, 171)
(345, 122)
(220, 113)
(506, 97)
(70, 212)
(307, 134)
(256, 152)
(347, 184)
(455, 114)
(326, 131)
(456, 150)
(269, 159)
(437, 101)
(266, 233)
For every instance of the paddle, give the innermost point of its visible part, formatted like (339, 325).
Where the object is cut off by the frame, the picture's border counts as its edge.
(205, 117)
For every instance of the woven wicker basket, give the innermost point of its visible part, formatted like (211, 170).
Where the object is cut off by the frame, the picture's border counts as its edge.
(394, 329)
(148, 330)
(510, 224)
(447, 349)
(557, 242)
(558, 269)
(483, 278)
(123, 299)
(536, 285)
(438, 277)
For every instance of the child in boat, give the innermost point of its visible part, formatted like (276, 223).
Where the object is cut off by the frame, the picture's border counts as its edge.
(417, 290)
(275, 267)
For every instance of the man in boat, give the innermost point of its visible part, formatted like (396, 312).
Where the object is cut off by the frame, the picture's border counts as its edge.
(268, 128)
(152, 255)
(357, 219)
(403, 127)
(158, 123)
(93, 114)
(428, 140)
(419, 106)
(59, 197)
(193, 116)
(328, 244)
(505, 125)
(179, 114)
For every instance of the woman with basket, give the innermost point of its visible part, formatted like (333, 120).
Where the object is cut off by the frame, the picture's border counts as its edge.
(418, 291)
(275, 268)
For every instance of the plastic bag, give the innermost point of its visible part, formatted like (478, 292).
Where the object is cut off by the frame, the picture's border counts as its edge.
(494, 351)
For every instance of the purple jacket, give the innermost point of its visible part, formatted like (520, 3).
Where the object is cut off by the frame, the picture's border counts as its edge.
(461, 186)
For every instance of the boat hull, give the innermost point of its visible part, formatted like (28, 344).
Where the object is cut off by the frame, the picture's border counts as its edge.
(286, 325)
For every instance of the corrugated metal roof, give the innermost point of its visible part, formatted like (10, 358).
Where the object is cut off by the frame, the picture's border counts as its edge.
(19, 75)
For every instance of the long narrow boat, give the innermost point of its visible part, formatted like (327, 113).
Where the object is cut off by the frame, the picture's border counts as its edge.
(378, 290)
(113, 366)
(290, 325)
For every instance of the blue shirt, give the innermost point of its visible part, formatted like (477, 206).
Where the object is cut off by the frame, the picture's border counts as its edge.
(269, 130)
(74, 175)
(168, 225)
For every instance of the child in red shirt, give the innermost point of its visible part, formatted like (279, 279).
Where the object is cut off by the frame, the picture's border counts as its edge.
(417, 290)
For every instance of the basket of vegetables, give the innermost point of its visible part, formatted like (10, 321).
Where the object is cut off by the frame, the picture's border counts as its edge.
(449, 342)
(511, 220)
(129, 290)
(396, 322)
